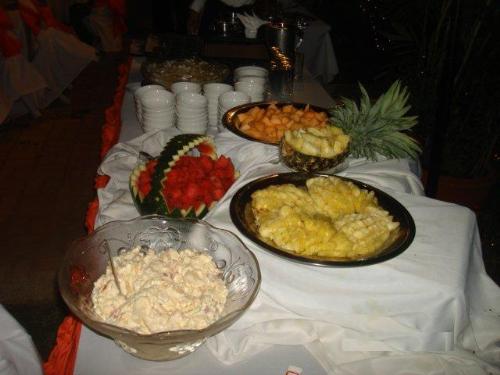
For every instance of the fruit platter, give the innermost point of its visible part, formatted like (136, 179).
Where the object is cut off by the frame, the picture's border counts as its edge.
(185, 180)
(266, 122)
(313, 139)
(322, 220)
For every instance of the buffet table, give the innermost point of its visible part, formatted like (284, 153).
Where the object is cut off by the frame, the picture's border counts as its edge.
(432, 309)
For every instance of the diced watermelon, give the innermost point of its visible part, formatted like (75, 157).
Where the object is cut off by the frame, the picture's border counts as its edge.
(206, 163)
(218, 194)
(206, 148)
(194, 182)
(222, 162)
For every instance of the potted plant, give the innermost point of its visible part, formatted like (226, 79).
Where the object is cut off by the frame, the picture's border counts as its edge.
(420, 38)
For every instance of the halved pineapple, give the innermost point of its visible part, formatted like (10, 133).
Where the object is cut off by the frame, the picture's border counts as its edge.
(314, 149)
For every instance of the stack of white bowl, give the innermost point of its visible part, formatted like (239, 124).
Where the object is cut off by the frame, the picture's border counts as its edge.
(212, 91)
(250, 70)
(252, 87)
(140, 91)
(132, 87)
(183, 86)
(252, 80)
(230, 100)
(192, 112)
(157, 109)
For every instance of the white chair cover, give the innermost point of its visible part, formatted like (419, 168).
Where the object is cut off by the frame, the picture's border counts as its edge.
(20, 81)
(18, 355)
(59, 56)
(101, 23)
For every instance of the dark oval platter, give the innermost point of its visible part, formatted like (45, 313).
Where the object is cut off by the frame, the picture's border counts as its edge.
(242, 217)
(229, 118)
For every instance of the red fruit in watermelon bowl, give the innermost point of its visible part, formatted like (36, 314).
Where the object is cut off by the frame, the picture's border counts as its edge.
(185, 180)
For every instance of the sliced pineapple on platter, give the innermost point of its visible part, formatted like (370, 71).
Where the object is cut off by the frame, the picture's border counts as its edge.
(373, 228)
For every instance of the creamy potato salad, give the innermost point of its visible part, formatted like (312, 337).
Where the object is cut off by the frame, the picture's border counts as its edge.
(168, 290)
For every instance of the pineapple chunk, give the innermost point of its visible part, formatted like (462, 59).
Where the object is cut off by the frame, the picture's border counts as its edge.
(327, 142)
(271, 199)
(333, 219)
(368, 231)
(296, 231)
(335, 197)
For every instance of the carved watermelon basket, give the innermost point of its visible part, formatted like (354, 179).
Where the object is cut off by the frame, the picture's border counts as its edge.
(185, 180)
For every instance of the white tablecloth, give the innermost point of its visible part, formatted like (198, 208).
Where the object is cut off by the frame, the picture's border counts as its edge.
(18, 355)
(432, 309)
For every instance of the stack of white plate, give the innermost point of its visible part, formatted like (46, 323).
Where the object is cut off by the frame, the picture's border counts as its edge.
(230, 100)
(212, 91)
(157, 110)
(138, 93)
(182, 86)
(254, 89)
(192, 112)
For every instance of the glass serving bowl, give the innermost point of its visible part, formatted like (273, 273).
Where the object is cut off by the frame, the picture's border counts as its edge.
(86, 261)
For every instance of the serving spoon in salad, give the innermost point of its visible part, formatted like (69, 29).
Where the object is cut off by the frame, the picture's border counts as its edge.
(113, 269)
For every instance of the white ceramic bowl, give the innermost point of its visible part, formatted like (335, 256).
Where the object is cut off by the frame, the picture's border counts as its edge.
(144, 89)
(153, 114)
(253, 79)
(169, 118)
(248, 87)
(189, 109)
(215, 89)
(162, 117)
(156, 100)
(191, 99)
(191, 117)
(179, 87)
(159, 110)
(250, 70)
(231, 99)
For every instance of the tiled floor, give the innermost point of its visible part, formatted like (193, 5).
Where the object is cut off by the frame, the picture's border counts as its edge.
(47, 167)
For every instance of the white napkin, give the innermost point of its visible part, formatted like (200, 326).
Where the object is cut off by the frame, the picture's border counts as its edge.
(251, 22)
(415, 302)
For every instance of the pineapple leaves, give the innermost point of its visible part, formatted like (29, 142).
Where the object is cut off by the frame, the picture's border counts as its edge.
(378, 128)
